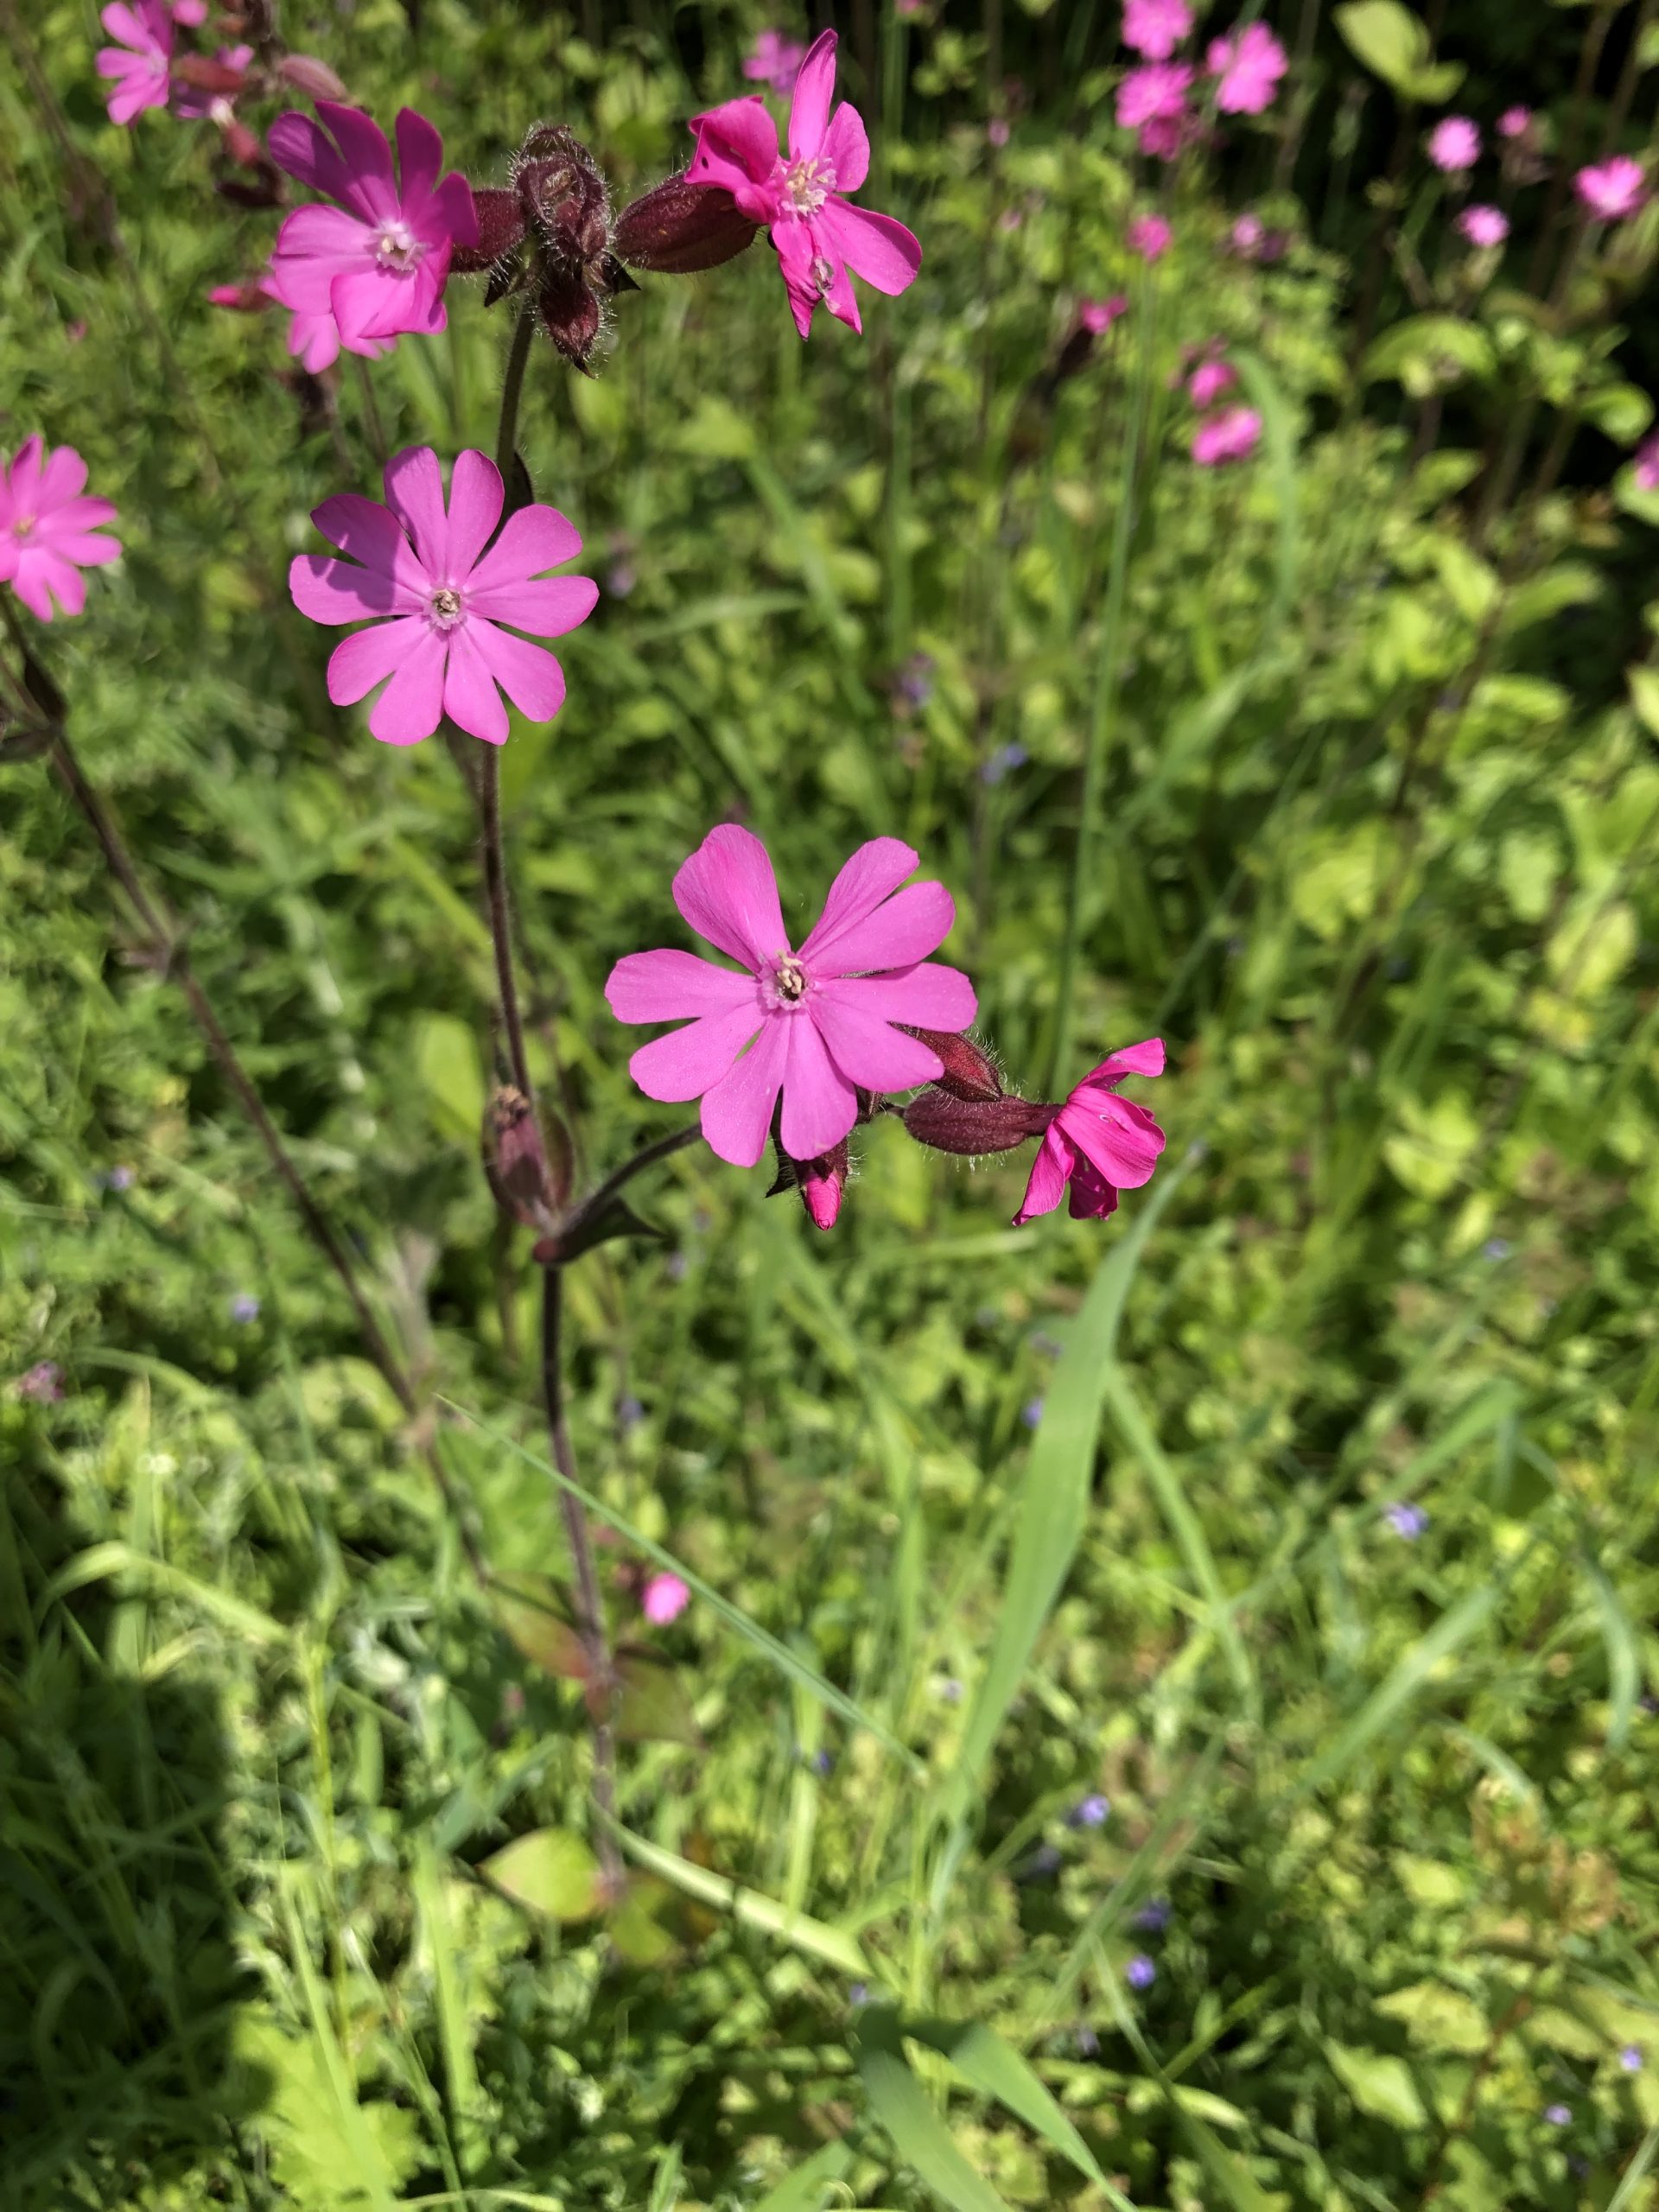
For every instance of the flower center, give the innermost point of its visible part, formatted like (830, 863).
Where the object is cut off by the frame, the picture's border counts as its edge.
(446, 609)
(396, 247)
(22, 526)
(791, 979)
(809, 184)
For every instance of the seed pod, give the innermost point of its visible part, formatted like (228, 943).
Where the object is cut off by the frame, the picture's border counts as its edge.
(970, 1071)
(971, 1125)
(677, 229)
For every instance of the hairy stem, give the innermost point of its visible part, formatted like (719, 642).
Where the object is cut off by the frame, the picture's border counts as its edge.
(512, 385)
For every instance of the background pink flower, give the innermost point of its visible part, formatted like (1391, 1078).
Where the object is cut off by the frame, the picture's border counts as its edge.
(1250, 65)
(437, 599)
(1157, 91)
(1153, 29)
(194, 105)
(1099, 1143)
(377, 263)
(819, 236)
(1149, 237)
(1098, 316)
(1230, 435)
(664, 1598)
(1515, 123)
(48, 532)
(1486, 227)
(816, 1026)
(1454, 144)
(774, 60)
(137, 64)
(1647, 464)
(1209, 380)
(1612, 189)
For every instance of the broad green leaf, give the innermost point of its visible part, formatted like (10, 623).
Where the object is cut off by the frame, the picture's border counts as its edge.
(804, 2189)
(919, 2136)
(551, 1871)
(832, 1945)
(1623, 1655)
(1395, 45)
(531, 1612)
(1379, 2084)
(1644, 691)
(986, 2063)
(1427, 352)
(1437, 2017)
(452, 1075)
(651, 1705)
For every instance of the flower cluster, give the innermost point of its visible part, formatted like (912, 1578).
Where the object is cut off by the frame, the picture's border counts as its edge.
(1159, 98)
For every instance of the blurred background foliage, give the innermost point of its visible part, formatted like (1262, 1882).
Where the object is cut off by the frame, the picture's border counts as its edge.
(1374, 856)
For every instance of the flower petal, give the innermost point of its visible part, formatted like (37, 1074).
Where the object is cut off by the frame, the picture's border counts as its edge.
(875, 247)
(1049, 1171)
(411, 706)
(1124, 1152)
(728, 894)
(847, 147)
(1146, 1059)
(689, 1061)
(368, 532)
(470, 698)
(532, 540)
(737, 144)
(737, 1112)
(475, 498)
(809, 111)
(792, 243)
(327, 590)
(303, 149)
(63, 479)
(546, 609)
(419, 156)
(820, 1104)
(668, 986)
(869, 1051)
(874, 872)
(415, 497)
(368, 657)
(454, 210)
(366, 155)
(532, 679)
(23, 476)
(926, 996)
(1092, 1197)
(903, 929)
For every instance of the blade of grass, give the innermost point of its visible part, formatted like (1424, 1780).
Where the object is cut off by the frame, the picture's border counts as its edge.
(832, 1945)
(802, 2190)
(919, 2136)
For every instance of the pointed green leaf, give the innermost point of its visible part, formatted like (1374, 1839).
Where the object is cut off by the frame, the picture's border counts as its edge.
(549, 1870)
(919, 2136)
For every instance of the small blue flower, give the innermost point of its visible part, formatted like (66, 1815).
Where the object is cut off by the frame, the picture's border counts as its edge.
(1043, 1862)
(1408, 1521)
(859, 1994)
(821, 1763)
(1154, 1915)
(1497, 1247)
(1090, 1813)
(245, 1307)
(1631, 2058)
(1141, 1973)
(629, 1414)
(1032, 1413)
(1004, 758)
(1558, 2115)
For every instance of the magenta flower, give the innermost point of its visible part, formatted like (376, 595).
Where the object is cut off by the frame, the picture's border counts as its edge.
(48, 532)
(137, 65)
(1098, 316)
(1149, 237)
(664, 1598)
(42, 1384)
(1454, 144)
(1515, 123)
(817, 232)
(1210, 380)
(1230, 435)
(815, 1025)
(438, 599)
(1155, 92)
(314, 339)
(822, 1182)
(1097, 1142)
(1613, 189)
(1153, 29)
(377, 262)
(1483, 226)
(776, 61)
(1250, 63)
(1647, 464)
(1246, 236)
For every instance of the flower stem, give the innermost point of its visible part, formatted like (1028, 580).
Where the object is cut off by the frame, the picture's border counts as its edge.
(495, 892)
(512, 385)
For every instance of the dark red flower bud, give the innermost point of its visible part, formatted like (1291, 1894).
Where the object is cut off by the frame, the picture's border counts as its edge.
(563, 194)
(679, 228)
(241, 144)
(970, 1126)
(204, 76)
(570, 315)
(515, 1161)
(970, 1071)
(264, 189)
(500, 229)
(314, 78)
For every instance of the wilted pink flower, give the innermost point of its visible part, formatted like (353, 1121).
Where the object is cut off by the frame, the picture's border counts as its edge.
(1612, 189)
(1209, 380)
(1647, 464)
(377, 262)
(1515, 123)
(1149, 237)
(1454, 144)
(137, 65)
(1153, 29)
(1099, 1143)
(817, 1025)
(1157, 89)
(1250, 63)
(443, 647)
(664, 1598)
(1486, 227)
(1098, 316)
(774, 60)
(1230, 435)
(819, 235)
(193, 104)
(48, 532)
(1168, 136)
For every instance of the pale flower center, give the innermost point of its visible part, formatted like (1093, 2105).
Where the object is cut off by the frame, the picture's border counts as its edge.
(397, 247)
(791, 979)
(445, 608)
(809, 184)
(22, 526)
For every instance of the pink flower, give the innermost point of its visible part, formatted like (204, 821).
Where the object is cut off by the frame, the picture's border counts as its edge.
(997, 131)
(1209, 380)
(1149, 237)
(438, 599)
(1611, 190)
(776, 61)
(1156, 90)
(817, 1025)
(1250, 65)
(314, 339)
(1153, 29)
(193, 105)
(1097, 1142)
(1098, 316)
(1515, 123)
(1247, 235)
(664, 1598)
(1166, 138)
(1454, 144)
(1486, 227)
(137, 65)
(377, 263)
(1647, 464)
(1230, 435)
(817, 232)
(48, 530)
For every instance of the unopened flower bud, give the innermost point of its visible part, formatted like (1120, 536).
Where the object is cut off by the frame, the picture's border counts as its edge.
(242, 145)
(820, 1182)
(970, 1070)
(514, 1160)
(500, 229)
(971, 1125)
(310, 77)
(679, 228)
(564, 193)
(262, 189)
(203, 75)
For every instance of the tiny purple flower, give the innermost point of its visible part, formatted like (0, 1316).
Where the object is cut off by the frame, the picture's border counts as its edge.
(245, 1307)
(1497, 1247)
(821, 1763)
(629, 1414)
(1005, 758)
(43, 1383)
(1408, 1521)
(1141, 1973)
(1091, 1812)
(1032, 1413)
(1154, 1915)
(1088, 2042)
(1631, 2058)
(1558, 2115)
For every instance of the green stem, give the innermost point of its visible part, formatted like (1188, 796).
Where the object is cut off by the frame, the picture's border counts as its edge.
(506, 436)
(1107, 674)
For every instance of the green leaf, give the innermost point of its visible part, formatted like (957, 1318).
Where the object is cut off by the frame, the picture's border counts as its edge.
(1395, 45)
(988, 2064)
(651, 1705)
(830, 1944)
(1428, 353)
(1438, 2017)
(804, 2189)
(531, 1610)
(919, 2136)
(452, 1075)
(1379, 2084)
(551, 1871)
(1644, 691)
